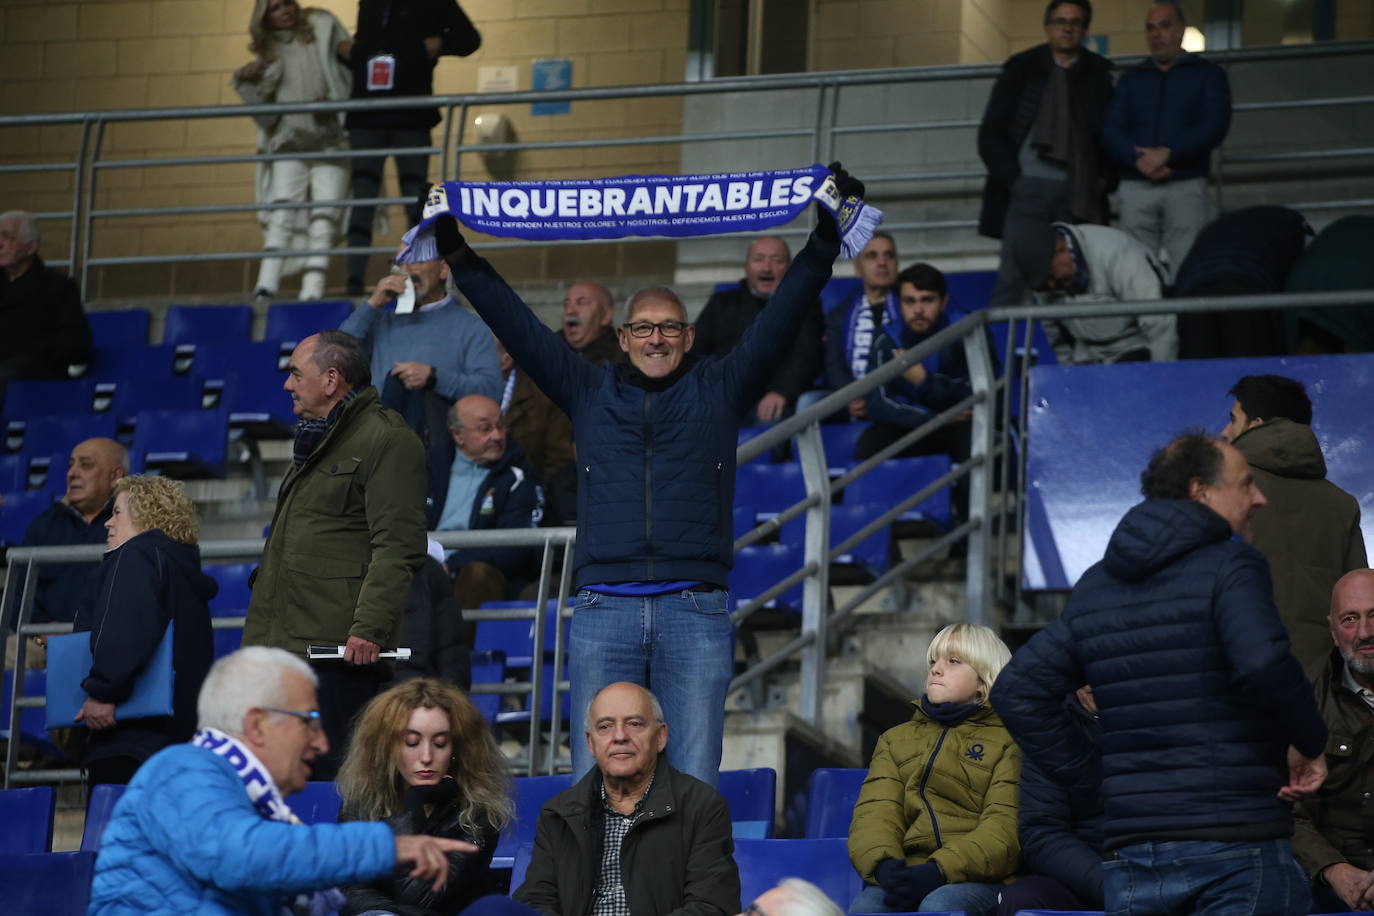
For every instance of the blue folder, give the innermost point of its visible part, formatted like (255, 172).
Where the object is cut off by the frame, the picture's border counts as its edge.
(69, 662)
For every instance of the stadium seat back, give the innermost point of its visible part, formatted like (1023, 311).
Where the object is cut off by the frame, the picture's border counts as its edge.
(119, 328)
(531, 792)
(288, 323)
(750, 793)
(186, 443)
(98, 812)
(26, 817)
(49, 435)
(761, 566)
(198, 324)
(317, 803)
(824, 862)
(898, 478)
(234, 593)
(20, 509)
(833, 793)
(28, 398)
(47, 884)
(770, 487)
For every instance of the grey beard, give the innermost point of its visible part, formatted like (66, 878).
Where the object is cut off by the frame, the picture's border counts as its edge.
(1357, 665)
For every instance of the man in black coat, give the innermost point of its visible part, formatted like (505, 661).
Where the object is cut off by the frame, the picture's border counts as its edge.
(393, 54)
(1210, 731)
(728, 314)
(1038, 139)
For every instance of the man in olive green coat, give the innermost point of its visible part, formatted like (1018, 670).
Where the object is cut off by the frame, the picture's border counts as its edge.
(347, 534)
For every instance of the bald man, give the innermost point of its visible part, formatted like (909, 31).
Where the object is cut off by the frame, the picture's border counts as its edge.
(588, 310)
(481, 483)
(1332, 837)
(79, 518)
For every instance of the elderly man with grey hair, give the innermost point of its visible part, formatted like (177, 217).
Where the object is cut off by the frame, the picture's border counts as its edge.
(42, 326)
(634, 835)
(204, 825)
(793, 897)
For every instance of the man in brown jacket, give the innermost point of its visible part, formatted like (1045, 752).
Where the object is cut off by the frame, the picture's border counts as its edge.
(1310, 529)
(1332, 836)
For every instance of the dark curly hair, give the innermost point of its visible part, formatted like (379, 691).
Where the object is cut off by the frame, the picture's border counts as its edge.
(1193, 455)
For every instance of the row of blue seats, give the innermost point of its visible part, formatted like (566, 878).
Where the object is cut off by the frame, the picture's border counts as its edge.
(287, 322)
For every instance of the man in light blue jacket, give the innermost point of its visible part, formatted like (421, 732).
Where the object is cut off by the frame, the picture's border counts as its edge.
(203, 827)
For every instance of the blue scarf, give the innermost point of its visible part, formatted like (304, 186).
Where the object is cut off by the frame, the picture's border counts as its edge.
(859, 330)
(677, 206)
(948, 714)
(262, 792)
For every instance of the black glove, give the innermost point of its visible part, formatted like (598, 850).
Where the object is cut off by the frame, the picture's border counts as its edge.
(847, 186)
(887, 872)
(447, 238)
(910, 886)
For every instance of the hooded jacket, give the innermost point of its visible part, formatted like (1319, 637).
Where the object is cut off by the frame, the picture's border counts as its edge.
(1199, 697)
(1309, 532)
(944, 794)
(677, 858)
(145, 584)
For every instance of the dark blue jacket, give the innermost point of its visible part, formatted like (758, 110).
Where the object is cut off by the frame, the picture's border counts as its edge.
(841, 356)
(655, 457)
(63, 587)
(146, 583)
(1186, 108)
(1198, 693)
(899, 402)
(1061, 827)
(509, 497)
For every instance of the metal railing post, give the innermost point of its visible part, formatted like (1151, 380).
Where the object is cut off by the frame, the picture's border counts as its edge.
(816, 586)
(87, 217)
(541, 617)
(983, 380)
(556, 675)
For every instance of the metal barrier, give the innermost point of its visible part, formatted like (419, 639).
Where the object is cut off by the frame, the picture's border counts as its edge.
(818, 142)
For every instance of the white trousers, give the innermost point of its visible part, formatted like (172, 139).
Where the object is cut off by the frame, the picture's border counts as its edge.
(297, 181)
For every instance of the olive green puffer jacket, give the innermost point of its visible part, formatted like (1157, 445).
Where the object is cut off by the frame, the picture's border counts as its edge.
(947, 795)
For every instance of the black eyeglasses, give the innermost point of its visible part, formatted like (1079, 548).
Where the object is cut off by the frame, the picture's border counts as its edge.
(666, 328)
(1068, 23)
(311, 718)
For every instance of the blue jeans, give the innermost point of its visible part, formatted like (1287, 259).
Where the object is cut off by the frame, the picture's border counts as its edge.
(1218, 879)
(974, 898)
(677, 645)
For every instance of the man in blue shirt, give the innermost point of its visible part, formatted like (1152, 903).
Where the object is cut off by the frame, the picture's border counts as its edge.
(1167, 115)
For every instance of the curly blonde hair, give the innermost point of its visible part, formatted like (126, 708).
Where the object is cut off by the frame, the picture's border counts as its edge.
(264, 43)
(162, 503)
(370, 778)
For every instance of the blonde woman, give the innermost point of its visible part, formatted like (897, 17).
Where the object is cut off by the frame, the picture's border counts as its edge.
(149, 579)
(296, 59)
(422, 759)
(935, 824)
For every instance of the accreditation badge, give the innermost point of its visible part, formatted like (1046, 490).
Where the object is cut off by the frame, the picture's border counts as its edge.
(381, 73)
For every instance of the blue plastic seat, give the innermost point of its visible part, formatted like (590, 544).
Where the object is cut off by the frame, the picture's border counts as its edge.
(227, 639)
(14, 473)
(750, 794)
(742, 520)
(515, 637)
(115, 364)
(221, 359)
(249, 381)
(839, 440)
(186, 443)
(20, 509)
(26, 817)
(25, 398)
(531, 792)
(873, 553)
(47, 884)
(98, 812)
(49, 435)
(119, 328)
(770, 487)
(749, 432)
(198, 324)
(759, 567)
(521, 865)
(823, 862)
(831, 797)
(288, 323)
(133, 396)
(898, 478)
(970, 290)
(32, 730)
(317, 803)
(488, 667)
(234, 593)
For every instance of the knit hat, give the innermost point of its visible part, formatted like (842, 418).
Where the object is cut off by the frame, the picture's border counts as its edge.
(1032, 250)
(419, 245)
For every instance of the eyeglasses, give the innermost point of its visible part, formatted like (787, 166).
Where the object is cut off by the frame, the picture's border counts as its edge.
(1068, 23)
(754, 910)
(666, 328)
(311, 718)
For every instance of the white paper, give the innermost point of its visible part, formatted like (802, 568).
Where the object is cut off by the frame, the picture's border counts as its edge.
(338, 651)
(405, 303)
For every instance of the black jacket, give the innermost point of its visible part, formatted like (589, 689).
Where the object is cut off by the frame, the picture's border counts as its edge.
(727, 315)
(1012, 108)
(1245, 251)
(434, 630)
(1198, 694)
(399, 28)
(510, 497)
(43, 328)
(902, 404)
(64, 587)
(678, 858)
(469, 873)
(146, 583)
(1061, 827)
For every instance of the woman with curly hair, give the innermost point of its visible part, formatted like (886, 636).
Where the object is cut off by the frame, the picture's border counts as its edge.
(422, 759)
(149, 579)
(296, 59)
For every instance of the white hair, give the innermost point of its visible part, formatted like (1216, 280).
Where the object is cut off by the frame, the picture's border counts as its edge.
(28, 226)
(251, 677)
(805, 899)
(654, 704)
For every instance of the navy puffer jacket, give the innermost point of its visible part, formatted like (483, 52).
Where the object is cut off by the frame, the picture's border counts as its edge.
(655, 457)
(1199, 695)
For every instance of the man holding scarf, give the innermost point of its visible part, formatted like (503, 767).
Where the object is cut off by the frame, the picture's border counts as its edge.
(853, 325)
(656, 441)
(204, 825)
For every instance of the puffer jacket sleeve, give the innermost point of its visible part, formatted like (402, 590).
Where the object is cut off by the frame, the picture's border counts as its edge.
(879, 822)
(1029, 698)
(128, 621)
(205, 826)
(711, 884)
(991, 850)
(1049, 844)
